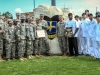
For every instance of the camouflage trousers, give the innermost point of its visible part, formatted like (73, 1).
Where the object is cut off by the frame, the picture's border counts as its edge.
(38, 46)
(46, 44)
(10, 49)
(1, 47)
(29, 47)
(62, 44)
(21, 48)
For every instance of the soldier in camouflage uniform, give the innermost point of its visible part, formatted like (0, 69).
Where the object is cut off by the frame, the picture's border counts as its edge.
(30, 39)
(10, 41)
(1, 37)
(38, 41)
(45, 26)
(60, 34)
(16, 22)
(21, 36)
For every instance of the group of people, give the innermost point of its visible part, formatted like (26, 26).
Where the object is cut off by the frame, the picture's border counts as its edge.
(19, 39)
(85, 36)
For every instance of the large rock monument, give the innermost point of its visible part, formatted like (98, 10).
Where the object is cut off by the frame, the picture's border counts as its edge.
(52, 13)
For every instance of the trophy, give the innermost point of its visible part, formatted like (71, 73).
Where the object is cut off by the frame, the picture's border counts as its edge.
(69, 31)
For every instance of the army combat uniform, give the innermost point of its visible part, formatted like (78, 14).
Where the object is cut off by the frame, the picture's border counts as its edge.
(10, 42)
(45, 26)
(30, 39)
(1, 37)
(38, 41)
(60, 34)
(21, 36)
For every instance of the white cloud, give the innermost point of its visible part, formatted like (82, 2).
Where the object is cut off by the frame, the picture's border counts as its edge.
(32, 10)
(18, 10)
(79, 11)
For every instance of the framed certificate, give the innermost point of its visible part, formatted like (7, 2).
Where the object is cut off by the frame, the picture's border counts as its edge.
(69, 31)
(41, 33)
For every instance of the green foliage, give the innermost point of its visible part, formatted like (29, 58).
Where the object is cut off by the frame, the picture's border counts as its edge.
(7, 14)
(53, 65)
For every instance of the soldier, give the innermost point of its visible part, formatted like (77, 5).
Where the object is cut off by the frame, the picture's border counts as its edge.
(21, 34)
(30, 39)
(38, 41)
(32, 19)
(91, 30)
(18, 16)
(60, 34)
(1, 37)
(45, 26)
(27, 15)
(72, 40)
(10, 41)
(5, 25)
(16, 22)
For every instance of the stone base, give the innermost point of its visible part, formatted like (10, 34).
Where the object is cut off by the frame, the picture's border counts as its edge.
(54, 47)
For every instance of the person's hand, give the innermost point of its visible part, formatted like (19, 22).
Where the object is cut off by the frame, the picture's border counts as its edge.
(34, 26)
(9, 42)
(19, 40)
(29, 39)
(37, 37)
(65, 35)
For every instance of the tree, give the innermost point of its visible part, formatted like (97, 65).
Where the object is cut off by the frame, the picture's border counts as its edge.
(7, 14)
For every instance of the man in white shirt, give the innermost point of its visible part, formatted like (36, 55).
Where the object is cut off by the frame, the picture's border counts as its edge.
(78, 22)
(72, 40)
(83, 33)
(91, 30)
(97, 38)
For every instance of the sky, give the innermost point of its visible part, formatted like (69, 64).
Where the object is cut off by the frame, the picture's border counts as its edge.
(78, 6)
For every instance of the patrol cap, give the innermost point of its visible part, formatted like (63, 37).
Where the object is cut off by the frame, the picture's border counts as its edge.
(11, 21)
(22, 17)
(60, 16)
(27, 13)
(90, 14)
(70, 14)
(86, 10)
(29, 18)
(76, 16)
(37, 19)
(16, 20)
(32, 16)
(83, 14)
(18, 14)
(41, 14)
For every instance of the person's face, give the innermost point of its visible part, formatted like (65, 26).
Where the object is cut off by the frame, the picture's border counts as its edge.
(87, 13)
(29, 21)
(90, 17)
(18, 16)
(76, 18)
(41, 17)
(10, 24)
(22, 21)
(70, 17)
(27, 15)
(98, 19)
(84, 16)
(61, 18)
(37, 21)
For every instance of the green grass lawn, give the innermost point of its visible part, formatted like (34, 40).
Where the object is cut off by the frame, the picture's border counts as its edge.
(52, 65)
